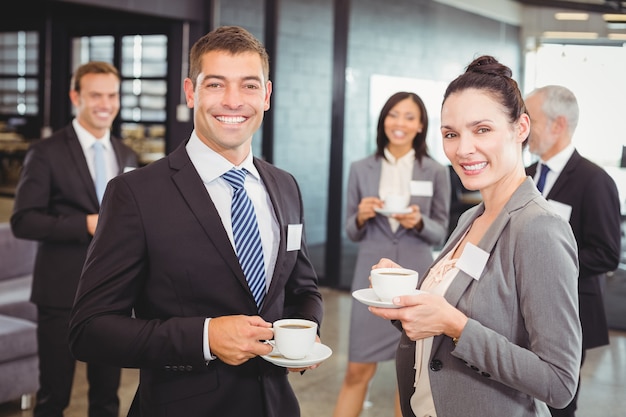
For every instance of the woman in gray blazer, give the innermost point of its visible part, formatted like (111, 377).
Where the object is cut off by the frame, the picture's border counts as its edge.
(496, 332)
(400, 166)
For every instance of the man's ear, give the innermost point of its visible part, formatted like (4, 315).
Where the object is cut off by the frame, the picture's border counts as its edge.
(74, 97)
(559, 125)
(189, 92)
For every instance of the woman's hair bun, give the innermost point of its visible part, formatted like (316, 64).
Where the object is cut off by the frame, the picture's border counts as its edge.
(487, 64)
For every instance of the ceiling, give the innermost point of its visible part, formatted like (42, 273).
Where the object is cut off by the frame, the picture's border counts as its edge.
(596, 6)
(539, 22)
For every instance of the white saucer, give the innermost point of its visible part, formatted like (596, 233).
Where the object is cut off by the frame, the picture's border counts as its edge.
(368, 297)
(385, 212)
(319, 353)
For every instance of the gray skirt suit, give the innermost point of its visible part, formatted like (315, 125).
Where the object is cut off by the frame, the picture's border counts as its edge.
(373, 339)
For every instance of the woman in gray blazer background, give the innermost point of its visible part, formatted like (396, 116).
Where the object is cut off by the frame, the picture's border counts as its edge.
(401, 166)
(497, 331)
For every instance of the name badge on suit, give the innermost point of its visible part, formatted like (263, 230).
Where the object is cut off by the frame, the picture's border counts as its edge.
(294, 236)
(421, 188)
(473, 260)
(563, 210)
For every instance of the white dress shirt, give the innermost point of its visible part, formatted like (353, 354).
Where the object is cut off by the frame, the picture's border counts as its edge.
(210, 166)
(87, 140)
(556, 165)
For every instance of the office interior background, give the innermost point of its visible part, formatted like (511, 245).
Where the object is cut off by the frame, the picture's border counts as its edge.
(333, 64)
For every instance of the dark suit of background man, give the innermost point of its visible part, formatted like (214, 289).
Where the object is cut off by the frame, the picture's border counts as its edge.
(587, 196)
(165, 252)
(56, 204)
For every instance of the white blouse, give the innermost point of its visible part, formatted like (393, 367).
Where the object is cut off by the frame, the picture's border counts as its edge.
(436, 282)
(395, 178)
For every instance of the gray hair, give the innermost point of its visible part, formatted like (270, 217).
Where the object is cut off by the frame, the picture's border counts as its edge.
(559, 101)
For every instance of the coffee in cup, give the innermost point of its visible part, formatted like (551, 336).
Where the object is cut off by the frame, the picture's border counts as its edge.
(388, 283)
(294, 338)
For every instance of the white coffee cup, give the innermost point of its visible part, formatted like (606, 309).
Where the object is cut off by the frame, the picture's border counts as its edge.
(396, 202)
(388, 283)
(294, 338)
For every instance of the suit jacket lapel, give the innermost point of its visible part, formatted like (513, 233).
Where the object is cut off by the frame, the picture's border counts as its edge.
(373, 183)
(189, 182)
(525, 192)
(278, 278)
(117, 150)
(564, 176)
(77, 154)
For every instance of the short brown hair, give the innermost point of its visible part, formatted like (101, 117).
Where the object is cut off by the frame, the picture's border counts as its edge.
(92, 67)
(233, 39)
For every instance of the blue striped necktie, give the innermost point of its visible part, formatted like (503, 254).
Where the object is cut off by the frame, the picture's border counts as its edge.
(246, 234)
(541, 182)
(100, 170)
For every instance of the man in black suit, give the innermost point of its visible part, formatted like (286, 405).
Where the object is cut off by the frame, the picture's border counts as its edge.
(587, 196)
(163, 289)
(56, 203)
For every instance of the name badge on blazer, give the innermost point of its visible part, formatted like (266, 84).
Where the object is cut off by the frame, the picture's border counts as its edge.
(472, 260)
(294, 236)
(421, 188)
(563, 210)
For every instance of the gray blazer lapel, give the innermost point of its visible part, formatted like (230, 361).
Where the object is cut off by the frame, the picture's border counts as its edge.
(373, 175)
(373, 184)
(525, 192)
(464, 222)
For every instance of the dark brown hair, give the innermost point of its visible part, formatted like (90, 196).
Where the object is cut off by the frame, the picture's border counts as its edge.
(92, 67)
(486, 73)
(419, 141)
(233, 39)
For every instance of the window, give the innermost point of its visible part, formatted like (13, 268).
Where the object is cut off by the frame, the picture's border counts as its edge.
(143, 68)
(18, 73)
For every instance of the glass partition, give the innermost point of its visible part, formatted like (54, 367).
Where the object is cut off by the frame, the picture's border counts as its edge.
(143, 68)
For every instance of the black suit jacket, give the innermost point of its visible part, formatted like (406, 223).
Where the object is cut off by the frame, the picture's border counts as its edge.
(161, 251)
(54, 195)
(595, 221)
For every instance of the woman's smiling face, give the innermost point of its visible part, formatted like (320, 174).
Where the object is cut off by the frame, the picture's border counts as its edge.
(483, 146)
(402, 124)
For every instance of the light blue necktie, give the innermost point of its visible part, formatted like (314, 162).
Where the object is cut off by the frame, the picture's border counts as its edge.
(100, 168)
(246, 234)
(541, 182)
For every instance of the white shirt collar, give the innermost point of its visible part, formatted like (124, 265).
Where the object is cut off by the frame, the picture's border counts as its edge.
(409, 156)
(558, 161)
(211, 165)
(87, 140)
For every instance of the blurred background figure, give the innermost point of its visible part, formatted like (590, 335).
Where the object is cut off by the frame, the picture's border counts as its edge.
(401, 166)
(57, 203)
(586, 196)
